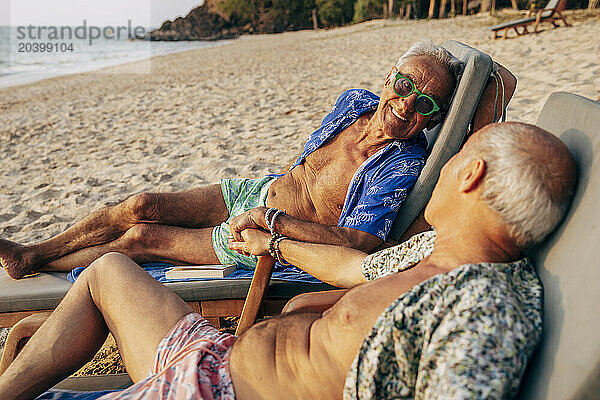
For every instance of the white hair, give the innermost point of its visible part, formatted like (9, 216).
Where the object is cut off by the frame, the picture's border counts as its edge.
(527, 181)
(440, 55)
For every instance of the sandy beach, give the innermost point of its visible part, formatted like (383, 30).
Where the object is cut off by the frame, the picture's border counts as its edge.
(73, 144)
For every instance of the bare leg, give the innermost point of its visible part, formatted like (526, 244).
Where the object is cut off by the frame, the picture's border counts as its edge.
(147, 243)
(196, 208)
(99, 301)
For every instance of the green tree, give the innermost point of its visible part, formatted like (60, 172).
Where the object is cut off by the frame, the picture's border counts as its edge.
(368, 9)
(240, 11)
(268, 16)
(335, 12)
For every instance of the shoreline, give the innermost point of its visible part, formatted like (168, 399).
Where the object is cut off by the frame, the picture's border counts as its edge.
(30, 77)
(500, 16)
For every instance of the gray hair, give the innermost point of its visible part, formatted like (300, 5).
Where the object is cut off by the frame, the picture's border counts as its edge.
(529, 178)
(440, 55)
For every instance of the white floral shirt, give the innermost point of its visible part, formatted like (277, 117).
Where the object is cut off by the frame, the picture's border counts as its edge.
(466, 334)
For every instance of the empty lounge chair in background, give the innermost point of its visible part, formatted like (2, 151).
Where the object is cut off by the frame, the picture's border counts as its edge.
(550, 13)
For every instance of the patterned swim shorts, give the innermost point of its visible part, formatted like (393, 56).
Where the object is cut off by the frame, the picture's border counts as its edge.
(240, 195)
(192, 362)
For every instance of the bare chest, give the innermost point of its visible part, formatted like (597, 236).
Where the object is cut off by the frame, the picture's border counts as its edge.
(319, 185)
(330, 169)
(334, 163)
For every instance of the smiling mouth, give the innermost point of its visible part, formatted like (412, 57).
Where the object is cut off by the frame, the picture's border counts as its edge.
(396, 113)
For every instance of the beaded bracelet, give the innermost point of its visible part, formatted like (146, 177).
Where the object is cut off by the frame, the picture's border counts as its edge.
(278, 252)
(272, 245)
(268, 215)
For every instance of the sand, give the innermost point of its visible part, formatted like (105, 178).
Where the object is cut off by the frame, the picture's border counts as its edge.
(73, 144)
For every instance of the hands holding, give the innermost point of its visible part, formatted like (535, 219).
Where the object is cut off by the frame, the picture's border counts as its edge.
(249, 234)
(254, 241)
(252, 219)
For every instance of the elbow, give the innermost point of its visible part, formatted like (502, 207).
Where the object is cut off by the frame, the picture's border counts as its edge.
(361, 241)
(366, 245)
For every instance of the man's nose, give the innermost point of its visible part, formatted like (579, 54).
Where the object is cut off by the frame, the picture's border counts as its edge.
(409, 102)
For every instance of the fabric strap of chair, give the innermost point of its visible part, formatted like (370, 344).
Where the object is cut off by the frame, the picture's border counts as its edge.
(499, 83)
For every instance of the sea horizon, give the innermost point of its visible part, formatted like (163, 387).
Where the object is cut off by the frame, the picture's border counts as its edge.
(28, 58)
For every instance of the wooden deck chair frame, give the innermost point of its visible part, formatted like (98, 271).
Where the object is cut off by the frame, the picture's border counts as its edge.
(478, 67)
(550, 13)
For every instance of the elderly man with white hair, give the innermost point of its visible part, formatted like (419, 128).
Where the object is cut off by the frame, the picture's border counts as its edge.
(458, 319)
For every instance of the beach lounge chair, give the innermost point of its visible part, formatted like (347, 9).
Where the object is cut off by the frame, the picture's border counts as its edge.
(567, 363)
(550, 13)
(217, 298)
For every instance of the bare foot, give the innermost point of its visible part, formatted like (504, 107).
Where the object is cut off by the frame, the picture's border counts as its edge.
(12, 260)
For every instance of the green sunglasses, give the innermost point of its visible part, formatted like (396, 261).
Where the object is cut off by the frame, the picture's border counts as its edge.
(424, 104)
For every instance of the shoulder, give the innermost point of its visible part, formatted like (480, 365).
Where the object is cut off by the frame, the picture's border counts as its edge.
(507, 296)
(398, 258)
(415, 147)
(348, 107)
(358, 97)
(494, 327)
(506, 278)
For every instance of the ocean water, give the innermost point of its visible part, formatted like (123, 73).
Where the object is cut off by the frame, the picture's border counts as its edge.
(26, 58)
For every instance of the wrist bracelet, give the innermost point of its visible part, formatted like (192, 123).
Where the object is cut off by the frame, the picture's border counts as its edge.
(271, 247)
(278, 251)
(272, 224)
(268, 215)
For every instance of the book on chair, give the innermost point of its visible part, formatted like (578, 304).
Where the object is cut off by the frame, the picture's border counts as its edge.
(200, 271)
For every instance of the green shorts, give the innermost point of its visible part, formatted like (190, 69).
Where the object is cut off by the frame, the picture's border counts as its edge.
(240, 195)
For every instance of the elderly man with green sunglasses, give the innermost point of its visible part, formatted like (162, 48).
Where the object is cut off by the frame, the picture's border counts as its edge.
(344, 189)
(424, 104)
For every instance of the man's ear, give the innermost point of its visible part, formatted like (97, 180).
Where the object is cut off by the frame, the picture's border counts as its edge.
(471, 175)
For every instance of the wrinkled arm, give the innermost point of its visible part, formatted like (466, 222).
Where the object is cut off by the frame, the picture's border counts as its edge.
(336, 265)
(304, 231)
(484, 113)
(316, 233)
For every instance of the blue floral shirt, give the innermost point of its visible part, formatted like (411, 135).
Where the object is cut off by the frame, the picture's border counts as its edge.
(383, 181)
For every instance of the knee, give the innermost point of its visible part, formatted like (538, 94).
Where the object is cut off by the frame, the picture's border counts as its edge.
(104, 271)
(139, 237)
(297, 303)
(142, 207)
(106, 264)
